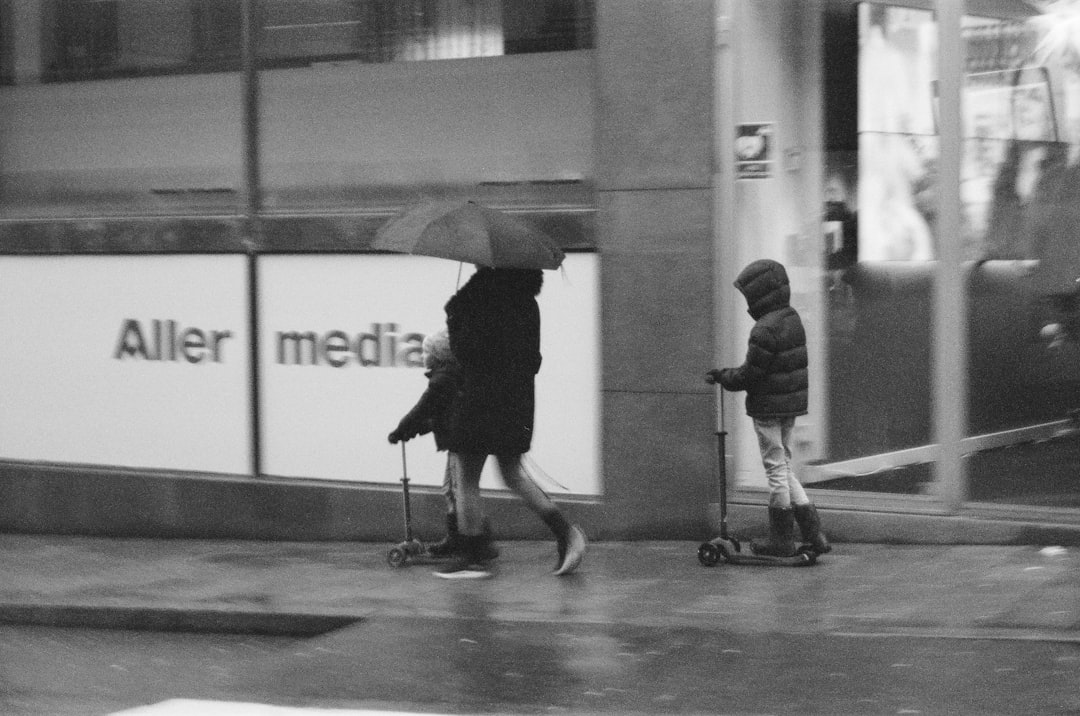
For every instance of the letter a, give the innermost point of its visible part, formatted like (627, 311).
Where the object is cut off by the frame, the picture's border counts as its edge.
(131, 341)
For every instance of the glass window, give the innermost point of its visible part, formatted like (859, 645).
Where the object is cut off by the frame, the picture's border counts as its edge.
(839, 193)
(131, 137)
(97, 39)
(402, 30)
(134, 107)
(1021, 201)
(880, 246)
(346, 136)
(871, 319)
(72, 40)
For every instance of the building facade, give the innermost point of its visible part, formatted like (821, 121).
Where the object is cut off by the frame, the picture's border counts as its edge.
(202, 342)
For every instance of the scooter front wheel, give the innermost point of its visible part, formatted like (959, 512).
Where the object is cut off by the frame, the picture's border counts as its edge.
(397, 557)
(708, 554)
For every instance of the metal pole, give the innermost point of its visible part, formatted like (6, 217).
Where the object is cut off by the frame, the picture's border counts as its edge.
(251, 210)
(950, 393)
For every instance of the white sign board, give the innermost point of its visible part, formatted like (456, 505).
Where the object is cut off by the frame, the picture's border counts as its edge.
(140, 361)
(340, 364)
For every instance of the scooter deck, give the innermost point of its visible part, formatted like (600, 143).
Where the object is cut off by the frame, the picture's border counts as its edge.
(801, 559)
(413, 551)
(720, 549)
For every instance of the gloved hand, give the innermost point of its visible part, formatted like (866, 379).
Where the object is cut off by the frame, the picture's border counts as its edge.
(713, 376)
(398, 435)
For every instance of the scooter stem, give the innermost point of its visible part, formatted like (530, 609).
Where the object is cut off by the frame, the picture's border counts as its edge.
(721, 448)
(405, 495)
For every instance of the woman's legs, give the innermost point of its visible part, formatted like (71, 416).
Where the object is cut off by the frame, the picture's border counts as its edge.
(569, 539)
(515, 477)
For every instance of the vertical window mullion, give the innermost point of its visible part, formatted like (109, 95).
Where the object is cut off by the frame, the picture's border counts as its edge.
(251, 210)
(950, 396)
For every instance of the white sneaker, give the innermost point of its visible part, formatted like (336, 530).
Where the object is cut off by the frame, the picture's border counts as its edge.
(575, 551)
(464, 569)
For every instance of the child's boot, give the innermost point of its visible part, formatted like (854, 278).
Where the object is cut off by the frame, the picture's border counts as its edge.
(448, 544)
(470, 561)
(810, 526)
(781, 539)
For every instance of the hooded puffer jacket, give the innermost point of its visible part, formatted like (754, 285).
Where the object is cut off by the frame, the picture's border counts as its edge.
(774, 375)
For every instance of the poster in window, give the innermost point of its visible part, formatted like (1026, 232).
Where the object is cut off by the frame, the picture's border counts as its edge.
(754, 150)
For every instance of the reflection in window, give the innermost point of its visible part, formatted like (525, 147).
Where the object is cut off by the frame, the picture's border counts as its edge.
(69, 40)
(381, 30)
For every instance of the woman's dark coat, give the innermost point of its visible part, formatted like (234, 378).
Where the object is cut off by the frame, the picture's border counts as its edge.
(774, 375)
(494, 327)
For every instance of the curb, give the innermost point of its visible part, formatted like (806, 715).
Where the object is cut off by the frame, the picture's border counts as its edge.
(173, 619)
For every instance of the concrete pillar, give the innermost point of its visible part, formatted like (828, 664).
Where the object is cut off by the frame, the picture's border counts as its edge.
(654, 167)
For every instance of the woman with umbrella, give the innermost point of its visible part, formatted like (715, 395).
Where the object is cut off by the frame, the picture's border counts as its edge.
(494, 327)
(493, 323)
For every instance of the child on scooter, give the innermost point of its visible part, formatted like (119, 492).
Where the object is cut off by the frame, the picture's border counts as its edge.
(775, 378)
(429, 415)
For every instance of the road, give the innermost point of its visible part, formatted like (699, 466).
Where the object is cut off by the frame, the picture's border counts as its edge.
(474, 664)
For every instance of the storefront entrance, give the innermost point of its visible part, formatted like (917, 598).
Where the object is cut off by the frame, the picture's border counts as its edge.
(916, 169)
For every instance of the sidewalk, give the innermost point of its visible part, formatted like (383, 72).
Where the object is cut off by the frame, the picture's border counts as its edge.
(990, 592)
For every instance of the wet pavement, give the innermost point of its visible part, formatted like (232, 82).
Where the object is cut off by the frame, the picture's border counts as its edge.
(642, 628)
(985, 591)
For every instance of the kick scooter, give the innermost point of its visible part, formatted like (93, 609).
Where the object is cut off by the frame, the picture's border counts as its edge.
(412, 548)
(726, 547)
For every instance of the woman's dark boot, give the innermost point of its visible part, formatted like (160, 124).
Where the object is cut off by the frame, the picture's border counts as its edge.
(572, 549)
(570, 543)
(810, 526)
(781, 539)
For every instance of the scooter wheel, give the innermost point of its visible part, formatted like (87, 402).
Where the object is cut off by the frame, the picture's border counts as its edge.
(397, 557)
(708, 554)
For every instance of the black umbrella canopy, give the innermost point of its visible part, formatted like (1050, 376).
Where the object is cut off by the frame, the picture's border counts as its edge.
(469, 232)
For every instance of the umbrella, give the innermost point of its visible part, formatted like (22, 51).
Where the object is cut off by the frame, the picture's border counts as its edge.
(467, 231)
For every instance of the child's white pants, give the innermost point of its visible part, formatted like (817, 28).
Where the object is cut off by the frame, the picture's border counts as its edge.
(774, 440)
